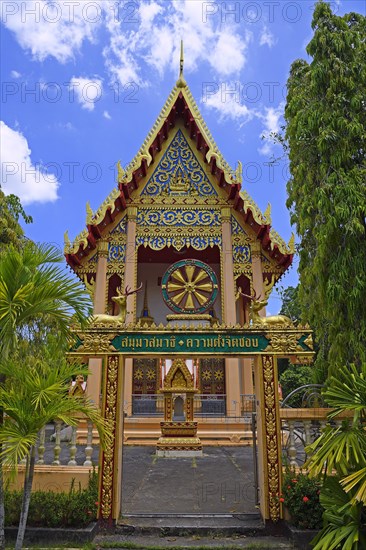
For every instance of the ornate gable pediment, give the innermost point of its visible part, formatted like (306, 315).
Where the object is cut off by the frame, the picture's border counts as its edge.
(179, 173)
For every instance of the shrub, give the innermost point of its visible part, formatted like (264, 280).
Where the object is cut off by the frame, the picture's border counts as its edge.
(76, 508)
(300, 495)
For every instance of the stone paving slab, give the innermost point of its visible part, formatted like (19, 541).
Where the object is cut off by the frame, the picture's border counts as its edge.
(221, 481)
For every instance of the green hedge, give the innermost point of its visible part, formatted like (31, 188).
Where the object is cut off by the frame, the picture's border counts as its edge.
(76, 508)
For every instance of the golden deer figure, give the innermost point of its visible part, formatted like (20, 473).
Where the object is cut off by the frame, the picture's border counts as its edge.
(121, 300)
(257, 305)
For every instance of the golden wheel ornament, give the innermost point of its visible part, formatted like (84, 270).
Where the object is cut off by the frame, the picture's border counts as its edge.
(189, 286)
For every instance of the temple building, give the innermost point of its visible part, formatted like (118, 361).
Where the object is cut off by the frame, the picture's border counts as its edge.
(180, 224)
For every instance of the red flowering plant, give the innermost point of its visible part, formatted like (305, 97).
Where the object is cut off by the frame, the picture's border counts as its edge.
(300, 495)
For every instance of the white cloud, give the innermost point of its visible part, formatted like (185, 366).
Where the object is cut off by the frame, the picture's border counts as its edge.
(19, 175)
(56, 28)
(87, 91)
(226, 101)
(107, 115)
(267, 38)
(271, 119)
(15, 74)
(155, 41)
(228, 56)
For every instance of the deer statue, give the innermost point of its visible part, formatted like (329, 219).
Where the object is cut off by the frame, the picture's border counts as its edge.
(257, 305)
(121, 300)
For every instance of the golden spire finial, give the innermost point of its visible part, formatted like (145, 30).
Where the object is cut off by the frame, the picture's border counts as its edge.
(181, 64)
(181, 83)
(121, 172)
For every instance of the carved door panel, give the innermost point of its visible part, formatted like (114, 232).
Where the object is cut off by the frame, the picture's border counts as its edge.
(145, 376)
(212, 376)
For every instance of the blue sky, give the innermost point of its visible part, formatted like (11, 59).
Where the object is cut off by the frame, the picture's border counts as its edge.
(83, 82)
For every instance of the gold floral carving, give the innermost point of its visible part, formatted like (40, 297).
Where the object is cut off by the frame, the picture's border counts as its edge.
(282, 342)
(110, 414)
(271, 437)
(96, 342)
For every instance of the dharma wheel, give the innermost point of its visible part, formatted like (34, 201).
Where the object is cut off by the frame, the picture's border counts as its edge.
(189, 286)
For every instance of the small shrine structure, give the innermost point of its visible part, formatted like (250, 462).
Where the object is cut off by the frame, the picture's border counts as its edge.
(178, 430)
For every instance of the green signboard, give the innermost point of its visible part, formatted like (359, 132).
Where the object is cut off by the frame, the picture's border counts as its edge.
(186, 343)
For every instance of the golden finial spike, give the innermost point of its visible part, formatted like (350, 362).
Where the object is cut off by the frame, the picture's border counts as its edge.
(291, 244)
(267, 214)
(181, 64)
(181, 83)
(89, 213)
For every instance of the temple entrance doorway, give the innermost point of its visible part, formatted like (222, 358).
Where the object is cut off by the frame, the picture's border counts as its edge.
(222, 480)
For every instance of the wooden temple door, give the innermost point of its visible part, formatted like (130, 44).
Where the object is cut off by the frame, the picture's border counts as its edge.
(212, 385)
(145, 385)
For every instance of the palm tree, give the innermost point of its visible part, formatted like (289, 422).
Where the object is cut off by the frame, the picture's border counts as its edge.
(34, 287)
(339, 454)
(34, 393)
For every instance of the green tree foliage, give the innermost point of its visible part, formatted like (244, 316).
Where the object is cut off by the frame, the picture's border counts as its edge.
(34, 393)
(291, 306)
(294, 377)
(34, 293)
(326, 120)
(339, 454)
(11, 209)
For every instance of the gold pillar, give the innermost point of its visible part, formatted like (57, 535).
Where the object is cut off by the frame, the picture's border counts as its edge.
(95, 364)
(269, 436)
(130, 280)
(110, 460)
(232, 378)
(258, 273)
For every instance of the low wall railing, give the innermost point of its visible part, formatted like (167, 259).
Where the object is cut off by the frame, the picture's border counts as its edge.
(299, 428)
(60, 445)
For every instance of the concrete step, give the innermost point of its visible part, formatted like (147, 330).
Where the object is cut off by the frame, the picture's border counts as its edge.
(191, 524)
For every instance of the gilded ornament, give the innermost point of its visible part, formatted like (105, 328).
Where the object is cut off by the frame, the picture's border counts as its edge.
(110, 414)
(283, 342)
(89, 213)
(309, 342)
(101, 319)
(97, 343)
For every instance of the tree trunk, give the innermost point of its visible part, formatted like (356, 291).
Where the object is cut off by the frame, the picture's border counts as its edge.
(28, 480)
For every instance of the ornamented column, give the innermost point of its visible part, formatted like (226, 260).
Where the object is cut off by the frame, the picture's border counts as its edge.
(130, 280)
(232, 378)
(245, 362)
(110, 460)
(101, 278)
(95, 364)
(269, 436)
(257, 272)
